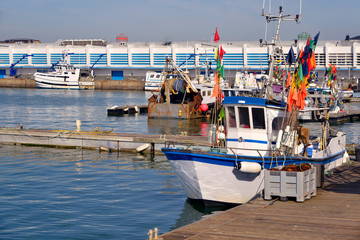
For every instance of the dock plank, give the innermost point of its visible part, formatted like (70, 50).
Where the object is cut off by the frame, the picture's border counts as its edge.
(333, 214)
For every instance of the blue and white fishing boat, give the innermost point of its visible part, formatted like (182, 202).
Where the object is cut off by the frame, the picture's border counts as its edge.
(65, 76)
(235, 174)
(257, 134)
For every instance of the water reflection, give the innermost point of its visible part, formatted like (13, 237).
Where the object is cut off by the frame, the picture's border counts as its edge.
(194, 211)
(193, 127)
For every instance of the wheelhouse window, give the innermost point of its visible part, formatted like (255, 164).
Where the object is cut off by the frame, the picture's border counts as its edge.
(258, 118)
(277, 122)
(152, 75)
(231, 117)
(244, 117)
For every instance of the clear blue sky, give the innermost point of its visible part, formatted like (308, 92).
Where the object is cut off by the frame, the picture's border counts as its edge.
(177, 20)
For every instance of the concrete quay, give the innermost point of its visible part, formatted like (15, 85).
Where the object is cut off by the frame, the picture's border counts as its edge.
(128, 84)
(102, 140)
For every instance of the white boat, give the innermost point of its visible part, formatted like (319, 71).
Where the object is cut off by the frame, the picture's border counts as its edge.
(245, 80)
(235, 174)
(64, 76)
(259, 134)
(153, 81)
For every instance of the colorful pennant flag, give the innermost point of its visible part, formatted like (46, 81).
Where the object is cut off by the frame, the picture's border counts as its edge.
(216, 37)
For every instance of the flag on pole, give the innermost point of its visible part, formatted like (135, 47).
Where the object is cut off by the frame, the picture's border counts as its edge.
(316, 38)
(216, 37)
(221, 52)
(290, 58)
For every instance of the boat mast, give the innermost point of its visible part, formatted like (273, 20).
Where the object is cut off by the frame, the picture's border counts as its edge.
(276, 50)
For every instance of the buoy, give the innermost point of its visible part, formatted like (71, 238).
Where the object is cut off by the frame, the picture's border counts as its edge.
(104, 149)
(78, 124)
(180, 113)
(142, 147)
(346, 157)
(204, 107)
(249, 167)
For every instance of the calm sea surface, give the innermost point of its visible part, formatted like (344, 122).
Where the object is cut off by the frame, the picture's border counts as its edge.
(49, 193)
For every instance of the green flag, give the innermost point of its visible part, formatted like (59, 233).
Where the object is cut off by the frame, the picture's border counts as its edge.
(300, 72)
(218, 67)
(222, 72)
(311, 45)
(221, 114)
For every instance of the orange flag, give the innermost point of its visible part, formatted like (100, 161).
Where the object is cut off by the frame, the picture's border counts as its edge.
(288, 81)
(302, 103)
(290, 101)
(313, 61)
(295, 96)
(301, 54)
(303, 86)
(216, 86)
(215, 91)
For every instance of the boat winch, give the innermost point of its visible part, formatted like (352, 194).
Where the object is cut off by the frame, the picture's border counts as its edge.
(248, 167)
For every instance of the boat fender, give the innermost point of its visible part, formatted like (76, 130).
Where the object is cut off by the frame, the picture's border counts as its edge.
(346, 157)
(249, 167)
(142, 147)
(278, 140)
(285, 135)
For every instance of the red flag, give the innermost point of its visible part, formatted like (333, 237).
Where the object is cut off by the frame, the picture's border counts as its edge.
(216, 38)
(308, 41)
(222, 52)
(301, 54)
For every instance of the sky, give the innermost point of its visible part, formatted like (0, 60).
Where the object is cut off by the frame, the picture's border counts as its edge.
(173, 20)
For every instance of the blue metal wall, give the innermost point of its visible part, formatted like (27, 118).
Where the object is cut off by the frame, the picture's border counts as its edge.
(117, 75)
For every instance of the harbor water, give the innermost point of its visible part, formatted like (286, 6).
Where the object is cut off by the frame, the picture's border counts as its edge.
(51, 193)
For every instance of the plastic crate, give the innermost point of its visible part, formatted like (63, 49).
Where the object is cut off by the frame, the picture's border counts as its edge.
(283, 184)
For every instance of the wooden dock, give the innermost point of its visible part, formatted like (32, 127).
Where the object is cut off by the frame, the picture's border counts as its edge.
(105, 140)
(345, 116)
(333, 214)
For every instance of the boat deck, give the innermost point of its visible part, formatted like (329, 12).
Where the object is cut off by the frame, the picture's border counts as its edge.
(333, 214)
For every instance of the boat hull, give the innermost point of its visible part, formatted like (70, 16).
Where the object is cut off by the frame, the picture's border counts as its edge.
(213, 177)
(55, 82)
(59, 83)
(172, 110)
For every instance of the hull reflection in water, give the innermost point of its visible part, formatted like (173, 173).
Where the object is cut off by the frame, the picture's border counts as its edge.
(197, 127)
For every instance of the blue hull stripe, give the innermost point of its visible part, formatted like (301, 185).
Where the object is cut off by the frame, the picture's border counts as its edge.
(223, 159)
(246, 140)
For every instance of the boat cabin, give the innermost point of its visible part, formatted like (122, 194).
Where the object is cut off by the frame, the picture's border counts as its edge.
(252, 123)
